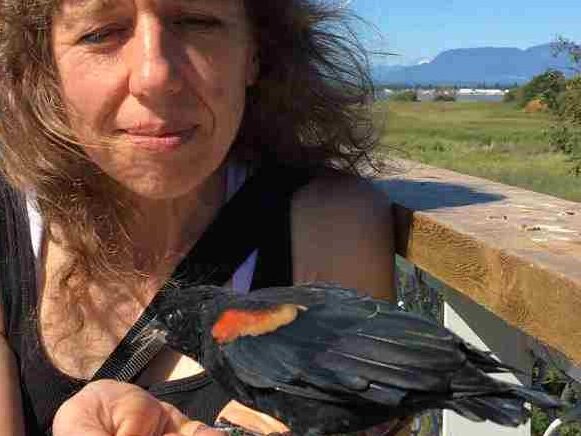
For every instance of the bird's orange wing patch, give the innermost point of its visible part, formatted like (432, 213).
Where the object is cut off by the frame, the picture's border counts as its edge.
(235, 323)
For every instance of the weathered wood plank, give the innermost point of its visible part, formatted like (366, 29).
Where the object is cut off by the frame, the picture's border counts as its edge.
(515, 252)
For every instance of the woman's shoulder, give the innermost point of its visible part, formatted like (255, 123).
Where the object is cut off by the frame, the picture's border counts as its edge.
(343, 233)
(340, 185)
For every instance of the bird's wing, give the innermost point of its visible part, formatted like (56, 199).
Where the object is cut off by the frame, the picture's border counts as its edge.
(350, 345)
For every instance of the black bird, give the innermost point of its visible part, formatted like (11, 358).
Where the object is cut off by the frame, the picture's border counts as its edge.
(326, 360)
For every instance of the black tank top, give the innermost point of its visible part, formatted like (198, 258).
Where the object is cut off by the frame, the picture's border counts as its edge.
(257, 217)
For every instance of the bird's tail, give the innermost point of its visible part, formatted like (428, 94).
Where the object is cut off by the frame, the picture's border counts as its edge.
(479, 397)
(505, 408)
(504, 411)
(536, 397)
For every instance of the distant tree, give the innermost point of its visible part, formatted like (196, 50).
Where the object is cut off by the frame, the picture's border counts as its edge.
(568, 104)
(569, 47)
(565, 132)
(445, 94)
(409, 95)
(546, 87)
(513, 95)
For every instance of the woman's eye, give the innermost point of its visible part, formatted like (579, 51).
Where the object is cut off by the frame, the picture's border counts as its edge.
(101, 36)
(198, 23)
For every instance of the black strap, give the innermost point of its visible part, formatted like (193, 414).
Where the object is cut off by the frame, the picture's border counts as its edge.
(274, 266)
(227, 242)
(17, 266)
(133, 352)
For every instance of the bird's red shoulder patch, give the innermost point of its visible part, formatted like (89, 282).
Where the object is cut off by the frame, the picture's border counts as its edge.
(234, 323)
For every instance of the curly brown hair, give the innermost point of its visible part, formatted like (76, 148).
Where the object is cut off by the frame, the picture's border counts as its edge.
(309, 107)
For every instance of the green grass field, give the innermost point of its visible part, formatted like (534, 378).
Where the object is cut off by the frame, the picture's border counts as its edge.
(493, 140)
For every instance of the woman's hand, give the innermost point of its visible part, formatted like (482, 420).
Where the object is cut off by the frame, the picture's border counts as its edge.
(110, 408)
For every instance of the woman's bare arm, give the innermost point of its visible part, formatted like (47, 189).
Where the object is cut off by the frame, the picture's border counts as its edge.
(12, 420)
(342, 231)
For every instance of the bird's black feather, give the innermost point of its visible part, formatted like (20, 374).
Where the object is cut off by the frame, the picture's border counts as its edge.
(357, 360)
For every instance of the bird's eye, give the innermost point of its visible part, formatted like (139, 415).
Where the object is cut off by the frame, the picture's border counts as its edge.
(175, 320)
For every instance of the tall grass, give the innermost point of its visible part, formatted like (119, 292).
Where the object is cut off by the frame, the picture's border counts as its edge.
(497, 141)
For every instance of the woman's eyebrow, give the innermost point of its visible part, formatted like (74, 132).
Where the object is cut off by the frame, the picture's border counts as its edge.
(72, 14)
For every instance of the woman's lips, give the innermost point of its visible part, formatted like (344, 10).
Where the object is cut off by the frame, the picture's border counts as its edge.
(159, 142)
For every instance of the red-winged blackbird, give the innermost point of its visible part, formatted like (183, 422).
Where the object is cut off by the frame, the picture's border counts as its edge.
(325, 360)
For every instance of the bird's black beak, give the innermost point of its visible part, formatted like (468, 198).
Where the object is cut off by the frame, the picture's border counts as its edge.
(178, 331)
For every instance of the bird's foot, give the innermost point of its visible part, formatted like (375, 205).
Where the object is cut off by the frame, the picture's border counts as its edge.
(236, 430)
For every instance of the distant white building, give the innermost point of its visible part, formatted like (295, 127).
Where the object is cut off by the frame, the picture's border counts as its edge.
(474, 91)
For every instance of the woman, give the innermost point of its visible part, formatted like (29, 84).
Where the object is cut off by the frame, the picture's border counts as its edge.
(128, 125)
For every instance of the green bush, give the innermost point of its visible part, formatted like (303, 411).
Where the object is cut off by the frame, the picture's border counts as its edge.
(513, 95)
(406, 95)
(445, 94)
(573, 83)
(565, 133)
(547, 87)
(565, 137)
(568, 104)
(575, 161)
(443, 97)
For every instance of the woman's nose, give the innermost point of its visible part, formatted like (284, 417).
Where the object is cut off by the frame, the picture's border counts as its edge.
(154, 61)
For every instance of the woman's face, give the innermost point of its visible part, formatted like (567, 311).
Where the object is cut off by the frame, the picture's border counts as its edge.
(165, 80)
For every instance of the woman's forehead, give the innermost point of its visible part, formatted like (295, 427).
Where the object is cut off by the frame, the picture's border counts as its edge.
(75, 9)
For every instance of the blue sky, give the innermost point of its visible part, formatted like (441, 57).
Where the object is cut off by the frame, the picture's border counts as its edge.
(419, 29)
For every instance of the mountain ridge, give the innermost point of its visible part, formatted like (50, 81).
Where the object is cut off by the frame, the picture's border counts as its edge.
(505, 66)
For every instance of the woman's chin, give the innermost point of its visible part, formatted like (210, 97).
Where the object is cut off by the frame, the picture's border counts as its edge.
(164, 190)
(161, 180)
(172, 188)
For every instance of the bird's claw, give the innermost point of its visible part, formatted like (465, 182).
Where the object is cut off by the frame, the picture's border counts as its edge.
(236, 430)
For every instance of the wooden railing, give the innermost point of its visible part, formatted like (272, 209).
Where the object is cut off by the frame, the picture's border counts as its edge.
(511, 256)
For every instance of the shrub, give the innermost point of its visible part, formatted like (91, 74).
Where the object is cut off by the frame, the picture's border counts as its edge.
(536, 105)
(568, 103)
(513, 95)
(406, 95)
(445, 94)
(546, 87)
(564, 137)
(573, 83)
